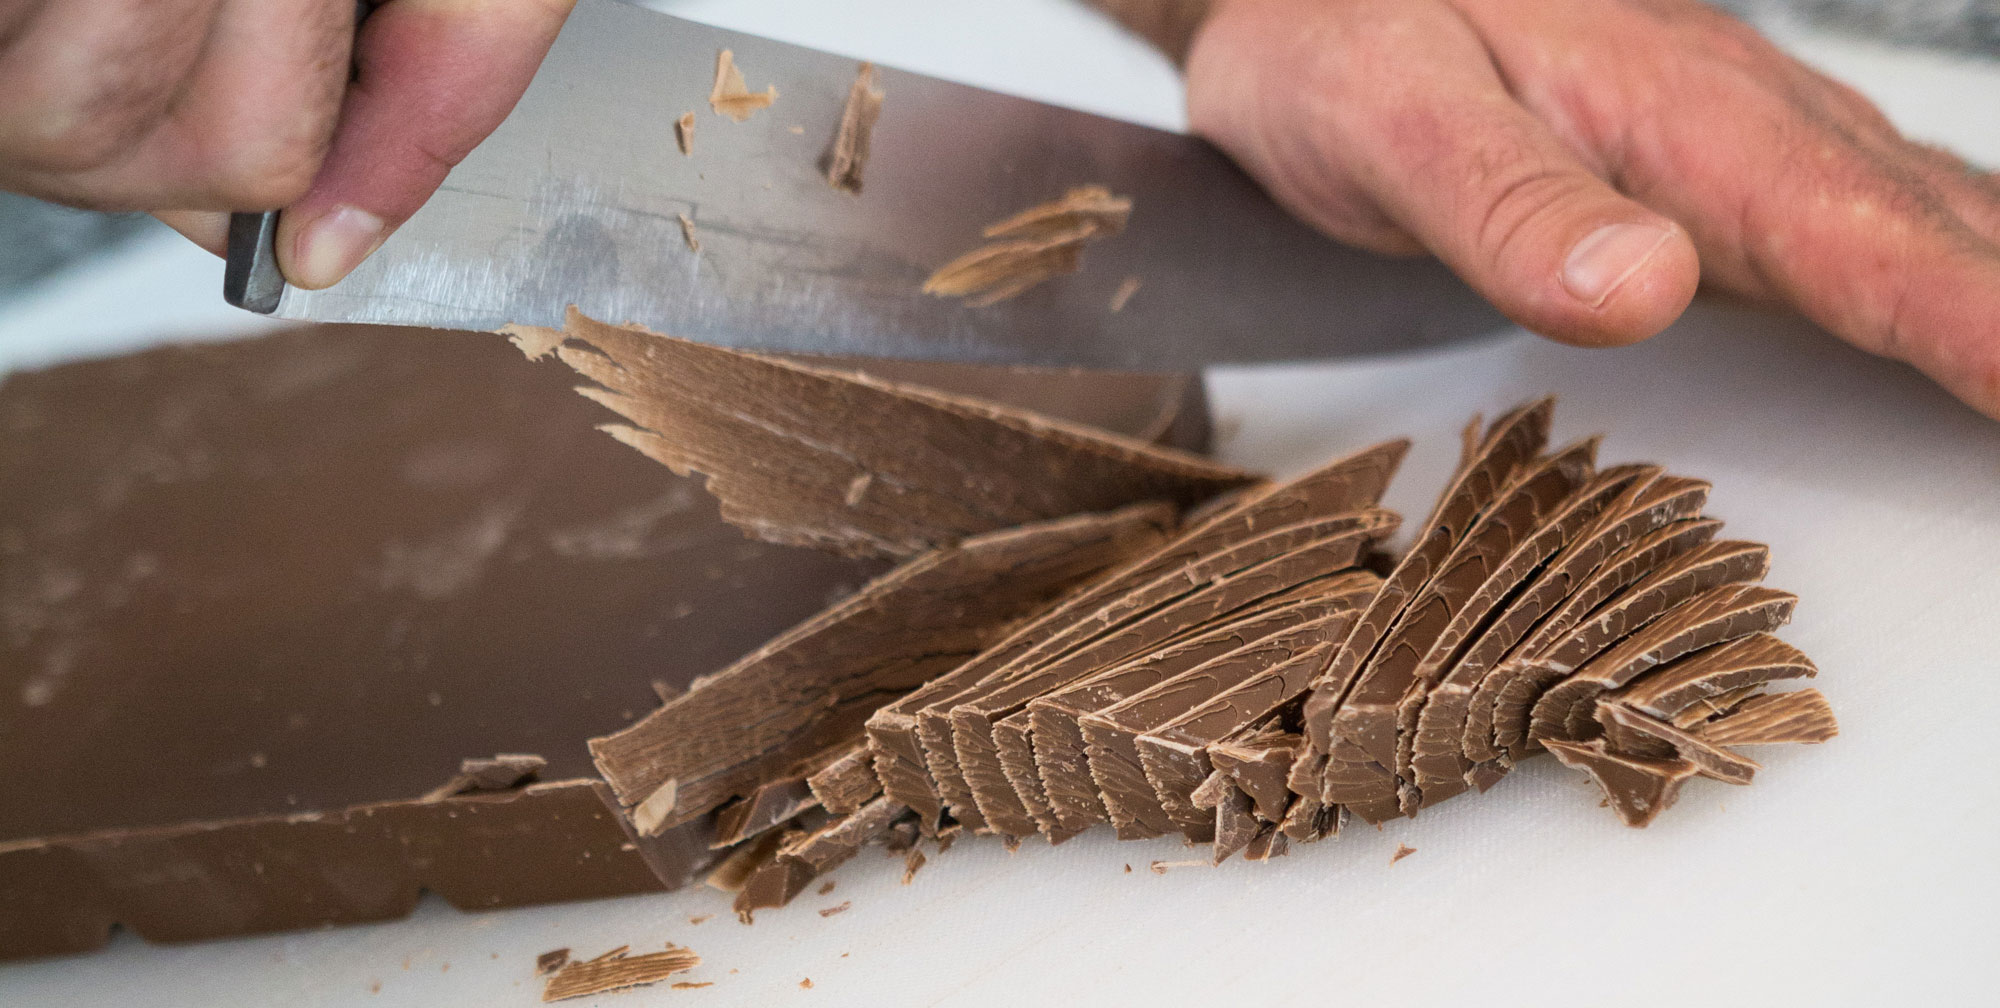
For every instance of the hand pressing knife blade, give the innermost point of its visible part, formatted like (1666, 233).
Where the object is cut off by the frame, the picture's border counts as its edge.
(579, 198)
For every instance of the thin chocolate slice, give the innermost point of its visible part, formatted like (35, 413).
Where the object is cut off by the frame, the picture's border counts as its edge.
(1111, 735)
(1574, 540)
(928, 779)
(1709, 759)
(816, 684)
(1774, 719)
(1717, 615)
(847, 782)
(811, 456)
(1174, 754)
(1258, 762)
(1711, 566)
(768, 805)
(1461, 707)
(973, 718)
(1058, 741)
(1512, 440)
(1390, 687)
(1748, 661)
(1269, 842)
(1710, 708)
(1638, 788)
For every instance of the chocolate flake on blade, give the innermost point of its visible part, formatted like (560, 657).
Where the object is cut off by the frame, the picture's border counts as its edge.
(687, 232)
(1031, 246)
(616, 970)
(849, 152)
(816, 685)
(684, 133)
(782, 441)
(731, 96)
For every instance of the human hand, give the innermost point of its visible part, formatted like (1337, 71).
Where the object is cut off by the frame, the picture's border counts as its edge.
(194, 108)
(1583, 163)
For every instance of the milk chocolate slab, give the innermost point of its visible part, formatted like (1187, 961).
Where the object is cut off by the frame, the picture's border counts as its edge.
(973, 720)
(1513, 439)
(804, 455)
(1713, 565)
(815, 685)
(1638, 788)
(310, 573)
(1573, 541)
(1389, 688)
(1057, 739)
(1713, 617)
(1801, 717)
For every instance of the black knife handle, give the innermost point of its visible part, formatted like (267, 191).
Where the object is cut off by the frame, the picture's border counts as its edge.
(251, 279)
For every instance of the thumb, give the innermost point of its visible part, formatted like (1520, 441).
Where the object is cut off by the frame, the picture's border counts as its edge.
(432, 79)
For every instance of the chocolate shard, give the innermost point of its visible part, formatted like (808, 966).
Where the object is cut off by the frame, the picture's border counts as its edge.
(768, 805)
(1234, 826)
(848, 154)
(1133, 625)
(1774, 719)
(730, 96)
(1713, 617)
(816, 685)
(490, 773)
(914, 756)
(848, 782)
(1258, 763)
(1712, 566)
(1709, 759)
(773, 884)
(1714, 672)
(1269, 842)
(785, 445)
(1375, 724)
(1571, 544)
(833, 844)
(1638, 788)
(1512, 440)
(1032, 246)
(1059, 746)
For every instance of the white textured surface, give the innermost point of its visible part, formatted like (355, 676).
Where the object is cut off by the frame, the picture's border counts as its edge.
(1859, 872)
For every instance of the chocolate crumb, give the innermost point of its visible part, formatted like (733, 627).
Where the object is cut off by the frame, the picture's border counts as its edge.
(692, 985)
(911, 863)
(1128, 869)
(1402, 851)
(687, 233)
(1126, 288)
(827, 888)
(806, 983)
(841, 908)
(700, 918)
(730, 96)
(684, 133)
(550, 961)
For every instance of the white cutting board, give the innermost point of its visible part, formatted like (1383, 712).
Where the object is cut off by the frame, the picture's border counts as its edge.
(1859, 872)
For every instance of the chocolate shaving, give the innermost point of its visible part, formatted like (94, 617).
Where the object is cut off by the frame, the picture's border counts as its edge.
(1801, 717)
(551, 961)
(1123, 295)
(781, 442)
(1402, 851)
(687, 232)
(848, 154)
(616, 970)
(841, 908)
(730, 96)
(1031, 246)
(495, 773)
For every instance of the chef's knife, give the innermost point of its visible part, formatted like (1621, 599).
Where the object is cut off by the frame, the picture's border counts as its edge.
(576, 199)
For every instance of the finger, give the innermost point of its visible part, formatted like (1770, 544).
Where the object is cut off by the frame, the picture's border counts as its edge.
(82, 84)
(247, 128)
(433, 78)
(206, 228)
(1405, 97)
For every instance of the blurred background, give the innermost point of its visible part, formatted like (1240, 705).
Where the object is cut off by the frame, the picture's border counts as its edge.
(75, 283)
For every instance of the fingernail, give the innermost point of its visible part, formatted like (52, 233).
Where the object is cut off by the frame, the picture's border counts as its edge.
(1607, 257)
(330, 248)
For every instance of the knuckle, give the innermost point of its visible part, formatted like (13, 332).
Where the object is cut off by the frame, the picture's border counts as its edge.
(92, 123)
(268, 175)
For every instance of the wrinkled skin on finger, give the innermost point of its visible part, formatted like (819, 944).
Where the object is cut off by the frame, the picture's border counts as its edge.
(1504, 136)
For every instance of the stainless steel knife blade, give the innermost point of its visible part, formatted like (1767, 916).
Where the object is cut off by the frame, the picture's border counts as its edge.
(576, 199)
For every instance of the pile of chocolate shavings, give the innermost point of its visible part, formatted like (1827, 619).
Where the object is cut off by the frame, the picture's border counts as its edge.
(1227, 667)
